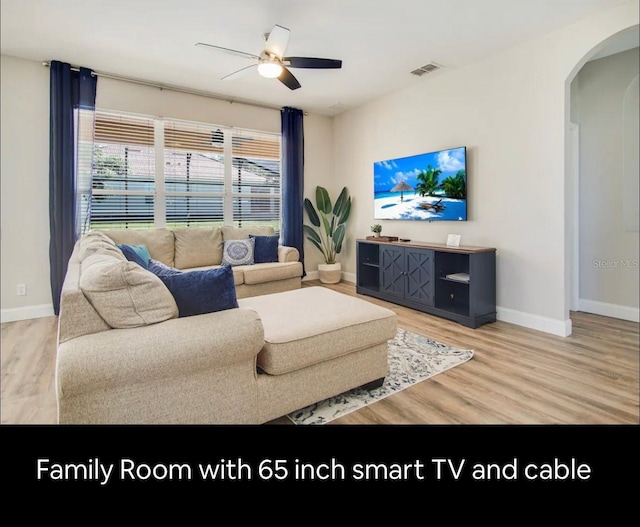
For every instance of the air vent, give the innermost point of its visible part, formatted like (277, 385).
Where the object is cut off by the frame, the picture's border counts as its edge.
(427, 68)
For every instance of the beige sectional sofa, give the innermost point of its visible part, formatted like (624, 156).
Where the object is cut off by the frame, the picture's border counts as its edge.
(126, 356)
(201, 247)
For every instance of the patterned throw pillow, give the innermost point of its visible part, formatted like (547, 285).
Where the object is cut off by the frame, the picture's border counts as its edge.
(238, 252)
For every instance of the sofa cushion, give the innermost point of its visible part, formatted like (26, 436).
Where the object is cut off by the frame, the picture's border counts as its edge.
(198, 292)
(266, 248)
(160, 242)
(238, 252)
(124, 294)
(288, 254)
(95, 241)
(234, 233)
(313, 324)
(270, 272)
(197, 247)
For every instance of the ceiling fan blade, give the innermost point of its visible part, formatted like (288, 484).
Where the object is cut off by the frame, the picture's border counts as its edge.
(311, 62)
(277, 41)
(238, 73)
(287, 78)
(227, 50)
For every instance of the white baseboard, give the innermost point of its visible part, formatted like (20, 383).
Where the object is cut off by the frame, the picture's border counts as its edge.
(527, 320)
(25, 313)
(347, 277)
(609, 310)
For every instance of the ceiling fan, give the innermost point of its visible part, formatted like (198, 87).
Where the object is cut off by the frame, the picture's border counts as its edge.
(272, 63)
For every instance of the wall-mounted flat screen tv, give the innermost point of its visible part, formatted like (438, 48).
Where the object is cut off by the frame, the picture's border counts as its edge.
(431, 186)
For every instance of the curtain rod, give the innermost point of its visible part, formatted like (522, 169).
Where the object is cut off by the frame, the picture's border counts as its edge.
(174, 88)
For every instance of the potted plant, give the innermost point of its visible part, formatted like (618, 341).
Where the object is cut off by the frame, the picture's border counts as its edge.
(376, 230)
(328, 230)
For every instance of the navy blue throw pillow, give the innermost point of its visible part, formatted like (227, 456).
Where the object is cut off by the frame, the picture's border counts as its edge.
(158, 268)
(136, 253)
(266, 248)
(198, 292)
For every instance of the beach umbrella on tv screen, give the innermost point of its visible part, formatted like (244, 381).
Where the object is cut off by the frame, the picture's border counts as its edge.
(401, 187)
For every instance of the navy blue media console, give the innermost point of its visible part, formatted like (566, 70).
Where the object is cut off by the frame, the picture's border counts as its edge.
(457, 283)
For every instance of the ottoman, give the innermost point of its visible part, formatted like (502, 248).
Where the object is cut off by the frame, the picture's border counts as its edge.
(318, 343)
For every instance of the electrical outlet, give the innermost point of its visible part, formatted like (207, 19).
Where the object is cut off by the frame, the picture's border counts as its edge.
(22, 289)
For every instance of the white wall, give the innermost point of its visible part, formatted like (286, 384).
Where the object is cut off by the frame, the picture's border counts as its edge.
(24, 190)
(608, 248)
(509, 110)
(318, 162)
(146, 100)
(25, 164)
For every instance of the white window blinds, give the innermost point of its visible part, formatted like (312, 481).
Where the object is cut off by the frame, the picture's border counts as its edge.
(194, 174)
(123, 172)
(198, 174)
(256, 179)
(84, 167)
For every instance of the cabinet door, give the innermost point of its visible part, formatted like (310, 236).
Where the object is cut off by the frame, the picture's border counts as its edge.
(419, 267)
(392, 277)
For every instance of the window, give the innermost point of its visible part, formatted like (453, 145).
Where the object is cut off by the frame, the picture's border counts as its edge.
(194, 174)
(123, 180)
(159, 172)
(255, 179)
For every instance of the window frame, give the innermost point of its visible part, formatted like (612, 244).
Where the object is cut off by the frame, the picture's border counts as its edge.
(160, 192)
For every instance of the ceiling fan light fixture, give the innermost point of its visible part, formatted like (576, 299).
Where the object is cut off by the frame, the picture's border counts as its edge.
(269, 69)
(272, 62)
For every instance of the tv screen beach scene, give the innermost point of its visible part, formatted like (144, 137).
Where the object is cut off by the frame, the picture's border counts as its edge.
(431, 186)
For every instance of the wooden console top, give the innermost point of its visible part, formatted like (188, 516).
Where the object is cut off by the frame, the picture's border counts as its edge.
(466, 249)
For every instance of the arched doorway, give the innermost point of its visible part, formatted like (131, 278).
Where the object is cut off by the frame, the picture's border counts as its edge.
(595, 264)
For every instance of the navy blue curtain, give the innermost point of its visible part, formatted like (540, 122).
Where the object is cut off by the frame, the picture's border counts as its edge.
(70, 91)
(293, 180)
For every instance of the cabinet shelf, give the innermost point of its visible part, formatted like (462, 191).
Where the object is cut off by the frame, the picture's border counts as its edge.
(444, 278)
(415, 275)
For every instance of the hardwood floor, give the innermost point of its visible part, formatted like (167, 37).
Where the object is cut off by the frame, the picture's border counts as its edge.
(28, 370)
(517, 375)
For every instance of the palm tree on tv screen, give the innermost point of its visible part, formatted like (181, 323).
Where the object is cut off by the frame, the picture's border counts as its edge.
(428, 181)
(455, 186)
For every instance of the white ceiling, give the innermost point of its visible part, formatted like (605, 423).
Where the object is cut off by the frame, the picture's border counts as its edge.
(379, 41)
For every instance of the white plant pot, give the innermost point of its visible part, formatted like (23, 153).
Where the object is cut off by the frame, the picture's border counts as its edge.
(330, 273)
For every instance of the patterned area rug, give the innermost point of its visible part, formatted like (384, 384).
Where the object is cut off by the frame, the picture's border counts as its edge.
(412, 358)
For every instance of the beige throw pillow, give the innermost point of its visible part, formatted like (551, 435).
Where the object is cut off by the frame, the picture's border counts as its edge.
(197, 247)
(124, 294)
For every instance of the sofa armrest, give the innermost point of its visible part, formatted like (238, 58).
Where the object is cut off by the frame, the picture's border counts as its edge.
(288, 254)
(176, 347)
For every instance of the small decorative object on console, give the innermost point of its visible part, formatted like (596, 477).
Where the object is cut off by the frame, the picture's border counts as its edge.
(453, 240)
(383, 238)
